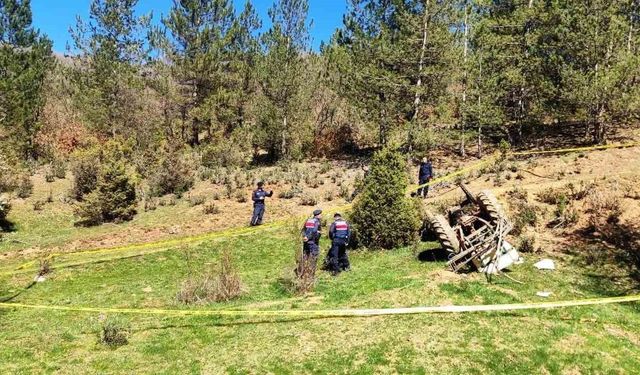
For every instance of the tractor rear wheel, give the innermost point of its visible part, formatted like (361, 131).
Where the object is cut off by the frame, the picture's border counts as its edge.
(446, 235)
(490, 206)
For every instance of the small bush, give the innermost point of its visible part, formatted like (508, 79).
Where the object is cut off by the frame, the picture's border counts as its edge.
(49, 176)
(525, 215)
(38, 205)
(325, 167)
(504, 147)
(604, 208)
(113, 332)
(196, 200)
(343, 192)
(169, 200)
(527, 244)
(551, 196)
(223, 284)
(291, 193)
(308, 200)
(25, 187)
(5, 208)
(241, 197)
(150, 204)
(44, 266)
(216, 196)
(211, 209)
(85, 168)
(59, 169)
(50, 197)
(173, 175)
(328, 196)
(565, 213)
(114, 197)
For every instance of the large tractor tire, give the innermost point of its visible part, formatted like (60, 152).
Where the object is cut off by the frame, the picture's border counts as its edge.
(446, 235)
(490, 206)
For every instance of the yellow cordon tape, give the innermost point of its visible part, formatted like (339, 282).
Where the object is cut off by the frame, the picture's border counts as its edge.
(166, 245)
(334, 313)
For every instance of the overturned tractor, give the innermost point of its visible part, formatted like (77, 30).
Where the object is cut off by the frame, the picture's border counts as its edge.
(473, 233)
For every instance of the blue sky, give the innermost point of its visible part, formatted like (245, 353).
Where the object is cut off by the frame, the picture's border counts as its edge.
(54, 17)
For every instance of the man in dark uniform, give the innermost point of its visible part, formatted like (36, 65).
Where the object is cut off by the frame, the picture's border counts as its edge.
(425, 174)
(339, 233)
(258, 197)
(311, 233)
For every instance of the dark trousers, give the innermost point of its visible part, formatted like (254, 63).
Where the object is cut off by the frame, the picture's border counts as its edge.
(337, 258)
(258, 212)
(423, 191)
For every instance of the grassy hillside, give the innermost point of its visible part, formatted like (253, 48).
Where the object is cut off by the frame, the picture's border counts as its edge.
(595, 339)
(523, 342)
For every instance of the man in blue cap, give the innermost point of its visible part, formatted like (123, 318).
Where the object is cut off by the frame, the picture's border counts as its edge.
(258, 197)
(311, 233)
(339, 233)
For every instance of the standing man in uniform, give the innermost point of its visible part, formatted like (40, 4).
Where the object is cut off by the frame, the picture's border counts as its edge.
(425, 174)
(258, 197)
(311, 233)
(339, 233)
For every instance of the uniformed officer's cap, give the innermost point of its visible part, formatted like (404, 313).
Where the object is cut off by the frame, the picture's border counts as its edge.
(317, 212)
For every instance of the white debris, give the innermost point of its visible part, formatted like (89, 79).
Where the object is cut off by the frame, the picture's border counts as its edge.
(40, 279)
(543, 294)
(545, 264)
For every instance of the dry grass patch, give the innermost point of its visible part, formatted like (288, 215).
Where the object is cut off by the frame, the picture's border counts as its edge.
(214, 285)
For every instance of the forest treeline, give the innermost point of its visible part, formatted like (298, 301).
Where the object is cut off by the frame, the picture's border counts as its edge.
(416, 74)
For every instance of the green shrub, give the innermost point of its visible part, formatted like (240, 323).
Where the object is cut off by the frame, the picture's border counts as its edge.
(343, 192)
(173, 174)
(226, 153)
(308, 200)
(114, 198)
(241, 197)
(196, 200)
(211, 209)
(49, 176)
(25, 187)
(59, 169)
(113, 332)
(325, 167)
(291, 193)
(38, 205)
(527, 244)
(5, 208)
(85, 168)
(383, 215)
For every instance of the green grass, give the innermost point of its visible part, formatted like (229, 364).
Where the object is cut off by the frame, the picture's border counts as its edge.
(598, 339)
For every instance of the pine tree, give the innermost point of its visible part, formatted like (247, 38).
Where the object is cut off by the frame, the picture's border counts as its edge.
(110, 49)
(399, 63)
(197, 48)
(383, 216)
(114, 196)
(514, 69)
(600, 63)
(282, 77)
(25, 59)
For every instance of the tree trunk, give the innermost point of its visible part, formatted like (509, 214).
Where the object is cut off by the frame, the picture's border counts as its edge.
(464, 79)
(283, 145)
(417, 97)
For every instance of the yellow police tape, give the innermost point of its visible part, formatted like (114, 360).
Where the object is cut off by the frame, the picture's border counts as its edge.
(334, 313)
(165, 245)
